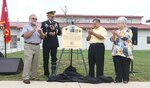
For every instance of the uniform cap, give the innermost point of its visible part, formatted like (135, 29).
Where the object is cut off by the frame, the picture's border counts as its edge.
(51, 13)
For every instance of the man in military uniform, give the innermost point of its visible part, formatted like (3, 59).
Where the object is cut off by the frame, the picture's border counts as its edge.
(50, 43)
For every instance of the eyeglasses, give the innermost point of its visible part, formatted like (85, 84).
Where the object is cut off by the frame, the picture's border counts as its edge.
(34, 18)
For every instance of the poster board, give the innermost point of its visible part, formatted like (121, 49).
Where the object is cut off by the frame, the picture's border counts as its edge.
(72, 37)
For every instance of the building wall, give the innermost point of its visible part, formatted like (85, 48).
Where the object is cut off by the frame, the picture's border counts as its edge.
(1, 39)
(14, 45)
(1, 35)
(142, 40)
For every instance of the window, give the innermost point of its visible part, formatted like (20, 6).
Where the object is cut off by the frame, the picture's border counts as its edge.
(87, 20)
(13, 43)
(112, 20)
(148, 40)
(129, 20)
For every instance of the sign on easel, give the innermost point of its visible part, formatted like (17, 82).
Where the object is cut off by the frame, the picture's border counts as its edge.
(72, 37)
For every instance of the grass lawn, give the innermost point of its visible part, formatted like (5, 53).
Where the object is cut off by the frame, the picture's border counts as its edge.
(141, 65)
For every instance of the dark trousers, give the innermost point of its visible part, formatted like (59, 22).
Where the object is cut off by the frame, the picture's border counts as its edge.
(96, 57)
(122, 67)
(46, 52)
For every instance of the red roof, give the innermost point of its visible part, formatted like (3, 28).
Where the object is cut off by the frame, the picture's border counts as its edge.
(108, 26)
(20, 24)
(98, 16)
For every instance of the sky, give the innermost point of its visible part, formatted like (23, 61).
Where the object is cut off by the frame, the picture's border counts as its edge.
(19, 10)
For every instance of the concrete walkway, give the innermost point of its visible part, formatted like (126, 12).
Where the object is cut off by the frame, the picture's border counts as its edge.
(44, 84)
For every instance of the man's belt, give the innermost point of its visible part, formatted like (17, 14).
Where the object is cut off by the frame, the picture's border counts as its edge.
(32, 43)
(96, 43)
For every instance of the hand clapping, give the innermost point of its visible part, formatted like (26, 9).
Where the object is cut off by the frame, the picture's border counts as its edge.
(90, 31)
(52, 33)
(114, 32)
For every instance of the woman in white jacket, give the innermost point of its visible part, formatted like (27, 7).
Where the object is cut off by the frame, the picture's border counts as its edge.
(122, 50)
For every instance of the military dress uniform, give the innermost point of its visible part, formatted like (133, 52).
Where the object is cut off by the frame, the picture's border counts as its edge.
(50, 44)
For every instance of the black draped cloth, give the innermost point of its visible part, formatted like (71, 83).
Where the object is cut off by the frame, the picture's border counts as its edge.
(1, 55)
(71, 75)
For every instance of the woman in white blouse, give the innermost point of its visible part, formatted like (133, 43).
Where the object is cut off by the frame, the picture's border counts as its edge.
(122, 50)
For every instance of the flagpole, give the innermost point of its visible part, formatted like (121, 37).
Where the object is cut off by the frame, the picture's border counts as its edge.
(5, 41)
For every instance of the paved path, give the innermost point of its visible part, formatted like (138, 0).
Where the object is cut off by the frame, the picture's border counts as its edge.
(44, 84)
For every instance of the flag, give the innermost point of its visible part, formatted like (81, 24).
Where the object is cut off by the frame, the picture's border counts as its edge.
(5, 20)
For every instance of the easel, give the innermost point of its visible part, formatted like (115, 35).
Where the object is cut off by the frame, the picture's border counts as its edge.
(134, 42)
(131, 65)
(70, 54)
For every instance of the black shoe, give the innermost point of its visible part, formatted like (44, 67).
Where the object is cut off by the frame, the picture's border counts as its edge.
(116, 81)
(26, 81)
(125, 82)
(46, 74)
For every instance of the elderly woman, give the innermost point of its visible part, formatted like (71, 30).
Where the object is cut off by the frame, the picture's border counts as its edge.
(122, 50)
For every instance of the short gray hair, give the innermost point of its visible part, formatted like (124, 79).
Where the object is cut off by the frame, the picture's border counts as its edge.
(32, 15)
(122, 20)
